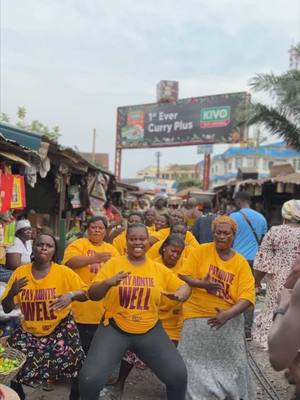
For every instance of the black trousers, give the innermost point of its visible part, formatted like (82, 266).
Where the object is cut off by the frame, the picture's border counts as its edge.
(154, 348)
(86, 333)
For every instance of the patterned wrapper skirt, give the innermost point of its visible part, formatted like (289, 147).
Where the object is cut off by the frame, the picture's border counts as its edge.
(216, 361)
(58, 355)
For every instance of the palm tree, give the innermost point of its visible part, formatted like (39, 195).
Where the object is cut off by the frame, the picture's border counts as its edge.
(283, 117)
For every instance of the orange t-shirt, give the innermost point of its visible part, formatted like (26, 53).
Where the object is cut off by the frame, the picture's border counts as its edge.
(235, 275)
(170, 311)
(134, 304)
(89, 312)
(36, 297)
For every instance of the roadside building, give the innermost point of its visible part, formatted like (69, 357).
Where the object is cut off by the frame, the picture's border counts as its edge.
(227, 167)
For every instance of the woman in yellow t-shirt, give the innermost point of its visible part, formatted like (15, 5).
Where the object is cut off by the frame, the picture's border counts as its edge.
(170, 312)
(176, 229)
(150, 216)
(132, 286)
(119, 242)
(48, 335)
(176, 217)
(213, 343)
(86, 256)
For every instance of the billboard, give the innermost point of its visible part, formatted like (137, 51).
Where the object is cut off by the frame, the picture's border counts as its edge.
(197, 120)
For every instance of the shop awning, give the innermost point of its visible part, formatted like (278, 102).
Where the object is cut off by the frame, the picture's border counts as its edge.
(22, 137)
(15, 158)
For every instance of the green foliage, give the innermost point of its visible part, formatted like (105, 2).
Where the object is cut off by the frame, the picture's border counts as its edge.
(283, 117)
(4, 118)
(188, 182)
(21, 113)
(34, 126)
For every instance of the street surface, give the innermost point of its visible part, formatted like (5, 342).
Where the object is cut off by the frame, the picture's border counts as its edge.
(143, 385)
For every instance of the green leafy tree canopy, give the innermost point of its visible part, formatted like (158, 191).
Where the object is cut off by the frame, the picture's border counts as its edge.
(184, 183)
(34, 126)
(282, 118)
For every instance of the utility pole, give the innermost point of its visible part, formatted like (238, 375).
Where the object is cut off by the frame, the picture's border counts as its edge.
(206, 171)
(94, 145)
(158, 155)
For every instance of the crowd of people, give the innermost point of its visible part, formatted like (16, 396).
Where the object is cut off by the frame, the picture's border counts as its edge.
(172, 290)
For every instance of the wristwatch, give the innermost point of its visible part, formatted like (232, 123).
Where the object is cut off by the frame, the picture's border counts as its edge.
(278, 311)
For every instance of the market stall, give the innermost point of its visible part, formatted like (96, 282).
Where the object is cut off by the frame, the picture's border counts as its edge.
(267, 194)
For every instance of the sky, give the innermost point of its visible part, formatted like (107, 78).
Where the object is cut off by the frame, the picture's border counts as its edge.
(71, 63)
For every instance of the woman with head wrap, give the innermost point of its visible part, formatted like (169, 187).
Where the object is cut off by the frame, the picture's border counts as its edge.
(20, 252)
(274, 262)
(212, 344)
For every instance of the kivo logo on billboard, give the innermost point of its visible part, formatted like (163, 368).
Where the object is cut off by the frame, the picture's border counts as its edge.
(215, 117)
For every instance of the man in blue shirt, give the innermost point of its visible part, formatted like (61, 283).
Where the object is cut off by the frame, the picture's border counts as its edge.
(252, 226)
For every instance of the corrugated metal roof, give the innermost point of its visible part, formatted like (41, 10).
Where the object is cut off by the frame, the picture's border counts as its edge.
(25, 138)
(275, 150)
(17, 149)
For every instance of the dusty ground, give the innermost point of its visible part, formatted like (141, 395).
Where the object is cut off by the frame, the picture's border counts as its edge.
(143, 385)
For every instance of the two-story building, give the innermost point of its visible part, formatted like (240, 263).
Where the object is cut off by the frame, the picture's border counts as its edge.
(224, 167)
(170, 172)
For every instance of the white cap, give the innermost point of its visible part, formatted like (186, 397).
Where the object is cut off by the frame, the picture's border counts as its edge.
(22, 223)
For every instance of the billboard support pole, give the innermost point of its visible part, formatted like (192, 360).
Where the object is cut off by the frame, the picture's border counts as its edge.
(118, 159)
(206, 171)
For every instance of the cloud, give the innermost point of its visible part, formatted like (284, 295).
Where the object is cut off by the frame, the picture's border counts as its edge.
(72, 63)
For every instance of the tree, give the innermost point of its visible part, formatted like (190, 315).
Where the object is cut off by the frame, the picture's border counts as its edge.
(4, 117)
(283, 117)
(187, 182)
(21, 113)
(34, 126)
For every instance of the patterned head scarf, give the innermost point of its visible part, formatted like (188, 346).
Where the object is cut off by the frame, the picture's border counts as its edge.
(224, 219)
(291, 211)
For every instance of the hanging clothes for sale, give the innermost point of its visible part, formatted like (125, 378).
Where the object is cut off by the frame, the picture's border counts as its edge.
(18, 195)
(6, 190)
(9, 231)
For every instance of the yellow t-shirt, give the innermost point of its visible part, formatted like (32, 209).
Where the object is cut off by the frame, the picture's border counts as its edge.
(235, 275)
(151, 229)
(119, 241)
(35, 298)
(135, 302)
(89, 312)
(170, 312)
(153, 252)
(162, 234)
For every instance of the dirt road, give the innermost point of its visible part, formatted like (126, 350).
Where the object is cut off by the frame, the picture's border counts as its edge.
(143, 385)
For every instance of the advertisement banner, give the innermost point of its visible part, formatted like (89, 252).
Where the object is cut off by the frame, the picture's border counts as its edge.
(198, 120)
